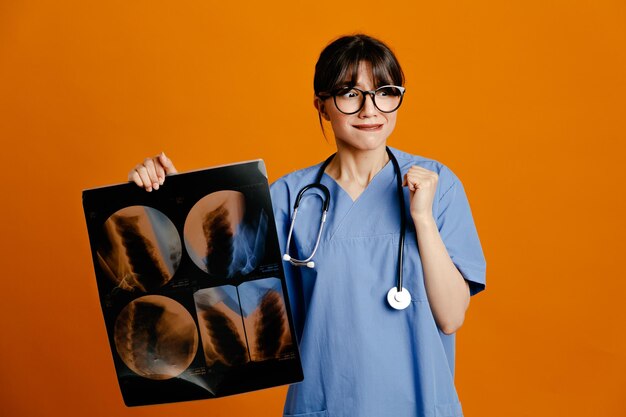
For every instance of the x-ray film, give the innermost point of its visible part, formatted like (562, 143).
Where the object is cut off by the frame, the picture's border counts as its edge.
(191, 285)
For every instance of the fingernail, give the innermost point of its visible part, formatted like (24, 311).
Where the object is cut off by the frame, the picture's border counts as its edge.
(161, 180)
(155, 185)
(149, 189)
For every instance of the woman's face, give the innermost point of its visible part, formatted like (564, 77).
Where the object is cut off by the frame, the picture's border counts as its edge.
(367, 129)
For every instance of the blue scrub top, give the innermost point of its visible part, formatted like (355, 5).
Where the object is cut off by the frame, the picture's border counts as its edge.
(361, 357)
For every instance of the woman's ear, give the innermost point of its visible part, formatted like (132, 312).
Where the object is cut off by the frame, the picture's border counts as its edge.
(320, 107)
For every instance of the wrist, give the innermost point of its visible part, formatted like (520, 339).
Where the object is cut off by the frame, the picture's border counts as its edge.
(423, 220)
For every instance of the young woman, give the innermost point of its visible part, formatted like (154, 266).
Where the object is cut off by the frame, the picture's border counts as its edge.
(390, 277)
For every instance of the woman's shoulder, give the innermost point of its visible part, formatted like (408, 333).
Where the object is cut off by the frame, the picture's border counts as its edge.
(447, 178)
(291, 183)
(293, 179)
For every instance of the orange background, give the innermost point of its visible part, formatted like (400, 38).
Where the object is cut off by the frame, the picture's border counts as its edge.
(524, 100)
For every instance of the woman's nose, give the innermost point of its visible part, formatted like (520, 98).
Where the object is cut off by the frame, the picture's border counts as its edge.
(369, 108)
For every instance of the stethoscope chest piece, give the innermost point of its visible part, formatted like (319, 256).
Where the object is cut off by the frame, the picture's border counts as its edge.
(399, 300)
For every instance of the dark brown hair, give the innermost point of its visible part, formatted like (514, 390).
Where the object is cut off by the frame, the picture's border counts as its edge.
(338, 64)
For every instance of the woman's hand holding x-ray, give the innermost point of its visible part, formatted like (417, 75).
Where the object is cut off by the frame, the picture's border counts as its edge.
(422, 185)
(150, 174)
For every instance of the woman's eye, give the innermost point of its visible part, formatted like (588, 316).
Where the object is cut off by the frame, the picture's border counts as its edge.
(349, 93)
(388, 91)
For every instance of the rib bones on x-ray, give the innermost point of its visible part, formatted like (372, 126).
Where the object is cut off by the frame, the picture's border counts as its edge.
(225, 343)
(270, 325)
(224, 340)
(219, 237)
(147, 271)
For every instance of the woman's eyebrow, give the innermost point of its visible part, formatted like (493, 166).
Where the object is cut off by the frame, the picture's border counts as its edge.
(346, 83)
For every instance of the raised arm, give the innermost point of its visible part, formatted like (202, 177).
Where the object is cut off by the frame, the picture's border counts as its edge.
(448, 292)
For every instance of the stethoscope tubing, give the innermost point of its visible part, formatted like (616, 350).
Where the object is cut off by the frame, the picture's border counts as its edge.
(325, 204)
(397, 297)
(396, 167)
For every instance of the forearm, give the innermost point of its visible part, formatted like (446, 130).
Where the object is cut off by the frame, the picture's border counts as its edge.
(447, 290)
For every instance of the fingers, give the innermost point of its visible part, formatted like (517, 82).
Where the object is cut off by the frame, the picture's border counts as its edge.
(417, 178)
(133, 176)
(160, 173)
(151, 173)
(422, 185)
(411, 181)
(139, 175)
(167, 164)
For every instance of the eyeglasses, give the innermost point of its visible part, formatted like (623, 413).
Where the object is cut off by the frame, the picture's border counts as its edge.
(350, 100)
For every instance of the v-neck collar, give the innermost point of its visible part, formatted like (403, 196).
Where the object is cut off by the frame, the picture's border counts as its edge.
(342, 205)
(368, 186)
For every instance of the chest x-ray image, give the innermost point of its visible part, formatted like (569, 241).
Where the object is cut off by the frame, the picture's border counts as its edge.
(221, 239)
(241, 324)
(140, 249)
(191, 286)
(156, 337)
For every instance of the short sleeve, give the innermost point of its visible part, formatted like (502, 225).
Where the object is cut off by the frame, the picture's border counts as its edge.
(279, 192)
(458, 232)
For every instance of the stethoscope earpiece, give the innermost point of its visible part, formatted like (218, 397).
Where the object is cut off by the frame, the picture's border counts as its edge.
(296, 262)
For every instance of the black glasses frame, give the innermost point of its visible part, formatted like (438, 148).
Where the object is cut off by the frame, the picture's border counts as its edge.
(364, 94)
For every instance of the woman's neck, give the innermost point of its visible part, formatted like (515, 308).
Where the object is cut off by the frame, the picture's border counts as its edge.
(354, 170)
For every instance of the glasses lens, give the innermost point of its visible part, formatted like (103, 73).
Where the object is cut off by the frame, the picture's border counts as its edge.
(348, 100)
(388, 98)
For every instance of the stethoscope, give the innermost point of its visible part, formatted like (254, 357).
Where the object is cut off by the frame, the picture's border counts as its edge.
(397, 297)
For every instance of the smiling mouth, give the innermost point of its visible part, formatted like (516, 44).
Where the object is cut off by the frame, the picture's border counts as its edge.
(368, 127)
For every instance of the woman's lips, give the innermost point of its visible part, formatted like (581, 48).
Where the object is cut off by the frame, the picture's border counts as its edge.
(368, 127)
